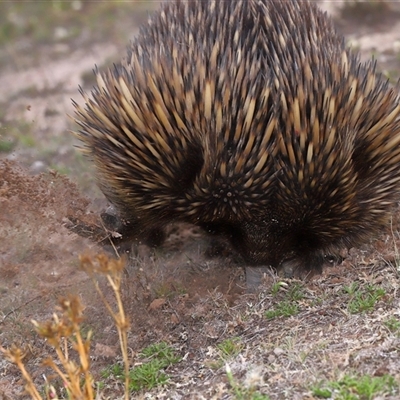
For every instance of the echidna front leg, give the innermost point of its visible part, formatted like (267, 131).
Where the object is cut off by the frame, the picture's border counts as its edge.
(307, 266)
(126, 231)
(296, 267)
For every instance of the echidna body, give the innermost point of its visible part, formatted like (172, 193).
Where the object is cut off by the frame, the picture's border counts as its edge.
(252, 120)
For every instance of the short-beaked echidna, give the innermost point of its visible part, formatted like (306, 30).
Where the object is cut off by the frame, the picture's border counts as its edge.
(252, 120)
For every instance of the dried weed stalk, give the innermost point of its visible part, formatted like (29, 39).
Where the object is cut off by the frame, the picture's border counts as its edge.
(64, 331)
(113, 270)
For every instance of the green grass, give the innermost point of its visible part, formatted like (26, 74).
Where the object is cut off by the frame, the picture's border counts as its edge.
(16, 133)
(115, 370)
(169, 290)
(363, 298)
(356, 388)
(393, 324)
(154, 360)
(283, 309)
(229, 348)
(6, 146)
(157, 358)
(276, 288)
(162, 352)
(148, 376)
(295, 292)
(288, 306)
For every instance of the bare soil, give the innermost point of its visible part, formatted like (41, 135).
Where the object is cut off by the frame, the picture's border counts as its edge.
(179, 293)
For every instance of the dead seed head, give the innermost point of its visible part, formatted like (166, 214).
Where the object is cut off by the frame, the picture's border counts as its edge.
(14, 354)
(101, 264)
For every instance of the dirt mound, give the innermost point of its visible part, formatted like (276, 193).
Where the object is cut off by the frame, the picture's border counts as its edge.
(39, 262)
(37, 252)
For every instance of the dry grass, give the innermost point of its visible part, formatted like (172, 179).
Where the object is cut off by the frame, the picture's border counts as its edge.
(64, 332)
(326, 350)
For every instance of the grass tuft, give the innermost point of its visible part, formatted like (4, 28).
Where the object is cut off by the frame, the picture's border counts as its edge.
(354, 388)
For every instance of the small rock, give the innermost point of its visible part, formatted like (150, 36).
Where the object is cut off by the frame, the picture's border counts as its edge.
(157, 303)
(102, 350)
(38, 167)
(278, 351)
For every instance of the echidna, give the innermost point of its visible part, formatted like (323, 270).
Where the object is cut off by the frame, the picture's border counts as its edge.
(252, 120)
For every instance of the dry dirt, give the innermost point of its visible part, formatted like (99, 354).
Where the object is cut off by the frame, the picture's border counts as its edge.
(177, 294)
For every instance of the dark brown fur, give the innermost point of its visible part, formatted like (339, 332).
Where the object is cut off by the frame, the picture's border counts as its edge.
(251, 120)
